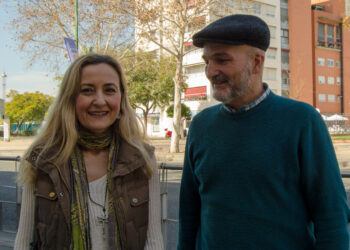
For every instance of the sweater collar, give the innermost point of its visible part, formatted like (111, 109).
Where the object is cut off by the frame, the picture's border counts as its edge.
(251, 105)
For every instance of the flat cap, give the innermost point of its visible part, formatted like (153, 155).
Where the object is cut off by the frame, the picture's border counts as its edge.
(235, 30)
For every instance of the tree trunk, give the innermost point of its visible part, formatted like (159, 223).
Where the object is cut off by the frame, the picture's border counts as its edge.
(182, 129)
(145, 115)
(178, 81)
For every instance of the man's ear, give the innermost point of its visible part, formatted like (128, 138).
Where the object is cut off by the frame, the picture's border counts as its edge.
(259, 59)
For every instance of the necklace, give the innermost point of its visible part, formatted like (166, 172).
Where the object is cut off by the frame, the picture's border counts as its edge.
(101, 219)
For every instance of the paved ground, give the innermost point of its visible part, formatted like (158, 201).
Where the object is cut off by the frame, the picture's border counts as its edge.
(17, 146)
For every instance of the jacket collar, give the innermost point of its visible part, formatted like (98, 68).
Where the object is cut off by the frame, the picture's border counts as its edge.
(129, 158)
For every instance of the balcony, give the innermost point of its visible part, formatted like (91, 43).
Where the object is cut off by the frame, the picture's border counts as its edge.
(194, 57)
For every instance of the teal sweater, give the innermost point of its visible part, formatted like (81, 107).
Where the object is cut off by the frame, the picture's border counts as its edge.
(267, 179)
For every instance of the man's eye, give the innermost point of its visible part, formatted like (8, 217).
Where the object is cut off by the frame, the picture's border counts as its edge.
(221, 61)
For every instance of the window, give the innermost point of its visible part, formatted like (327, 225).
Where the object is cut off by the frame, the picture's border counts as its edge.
(320, 61)
(337, 36)
(284, 56)
(338, 80)
(331, 98)
(257, 8)
(338, 64)
(271, 53)
(196, 69)
(285, 78)
(339, 99)
(321, 97)
(284, 15)
(331, 80)
(269, 74)
(155, 124)
(272, 31)
(330, 36)
(321, 34)
(284, 38)
(321, 79)
(330, 63)
(270, 10)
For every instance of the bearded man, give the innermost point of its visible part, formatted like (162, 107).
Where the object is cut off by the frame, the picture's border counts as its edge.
(260, 170)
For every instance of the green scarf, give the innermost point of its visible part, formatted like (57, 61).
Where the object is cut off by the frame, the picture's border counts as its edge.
(81, 239)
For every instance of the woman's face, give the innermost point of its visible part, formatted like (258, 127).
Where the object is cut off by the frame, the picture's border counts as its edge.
(97, 105)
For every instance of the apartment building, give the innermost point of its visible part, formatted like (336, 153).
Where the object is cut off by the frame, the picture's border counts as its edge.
(319, 54)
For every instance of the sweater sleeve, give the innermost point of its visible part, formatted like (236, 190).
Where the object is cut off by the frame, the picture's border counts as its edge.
(154, 234)
(190, 205)
(26, 223)
(323, 188)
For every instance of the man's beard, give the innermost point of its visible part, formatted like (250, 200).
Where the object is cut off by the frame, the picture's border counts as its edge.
(237, 88)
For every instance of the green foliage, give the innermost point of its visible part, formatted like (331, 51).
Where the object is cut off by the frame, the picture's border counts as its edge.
(185, 111)
(150, 80)
(341, 137)
(27, 107)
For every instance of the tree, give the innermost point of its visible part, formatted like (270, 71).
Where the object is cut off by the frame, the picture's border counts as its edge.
(149, 82)
(27, 107)
(170, 24)
(185, 111)
(41, 25)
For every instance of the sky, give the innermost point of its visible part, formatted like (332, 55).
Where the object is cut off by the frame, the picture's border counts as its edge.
(14, 64)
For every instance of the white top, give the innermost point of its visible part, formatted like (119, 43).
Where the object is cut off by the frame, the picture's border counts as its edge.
(99, 242)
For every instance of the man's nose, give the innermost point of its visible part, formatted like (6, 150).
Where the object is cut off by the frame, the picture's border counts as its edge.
(211, 70)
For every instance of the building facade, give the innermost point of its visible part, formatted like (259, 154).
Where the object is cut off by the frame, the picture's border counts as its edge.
(319, 54)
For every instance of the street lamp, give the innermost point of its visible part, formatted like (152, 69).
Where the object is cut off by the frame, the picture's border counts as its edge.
(6, 121)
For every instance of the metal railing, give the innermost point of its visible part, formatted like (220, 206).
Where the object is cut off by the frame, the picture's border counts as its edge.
(164, 169)
(18, 198)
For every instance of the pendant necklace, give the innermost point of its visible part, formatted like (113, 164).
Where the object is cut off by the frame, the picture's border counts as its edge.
(101, 219)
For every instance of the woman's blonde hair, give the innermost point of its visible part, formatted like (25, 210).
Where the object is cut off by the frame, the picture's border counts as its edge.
(60, 130)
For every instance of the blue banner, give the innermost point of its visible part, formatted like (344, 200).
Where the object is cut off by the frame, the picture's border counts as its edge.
(71, 49)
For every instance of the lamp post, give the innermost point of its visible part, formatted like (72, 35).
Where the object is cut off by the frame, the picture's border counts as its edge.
(76, 25)
(6, 121)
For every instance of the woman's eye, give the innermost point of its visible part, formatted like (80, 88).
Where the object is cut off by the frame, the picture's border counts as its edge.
(111, 90)
(86, 90)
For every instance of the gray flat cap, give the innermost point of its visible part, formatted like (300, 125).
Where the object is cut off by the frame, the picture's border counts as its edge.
(235, 30)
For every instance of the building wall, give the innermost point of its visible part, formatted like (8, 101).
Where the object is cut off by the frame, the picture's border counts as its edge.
(346, 65)
(301, 51)
(327, 92)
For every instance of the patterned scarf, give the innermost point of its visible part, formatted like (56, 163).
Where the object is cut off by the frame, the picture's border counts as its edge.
(81, 239)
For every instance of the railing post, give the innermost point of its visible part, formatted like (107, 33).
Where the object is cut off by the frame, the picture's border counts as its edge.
(18, 195)
(0, 216)
(164, 202)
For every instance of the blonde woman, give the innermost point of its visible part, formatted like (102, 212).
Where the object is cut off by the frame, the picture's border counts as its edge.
(90, 180)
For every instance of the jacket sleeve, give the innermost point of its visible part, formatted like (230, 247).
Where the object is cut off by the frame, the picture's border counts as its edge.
(190, 205)
(26, 223)
(154, 234)
(323, 188)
